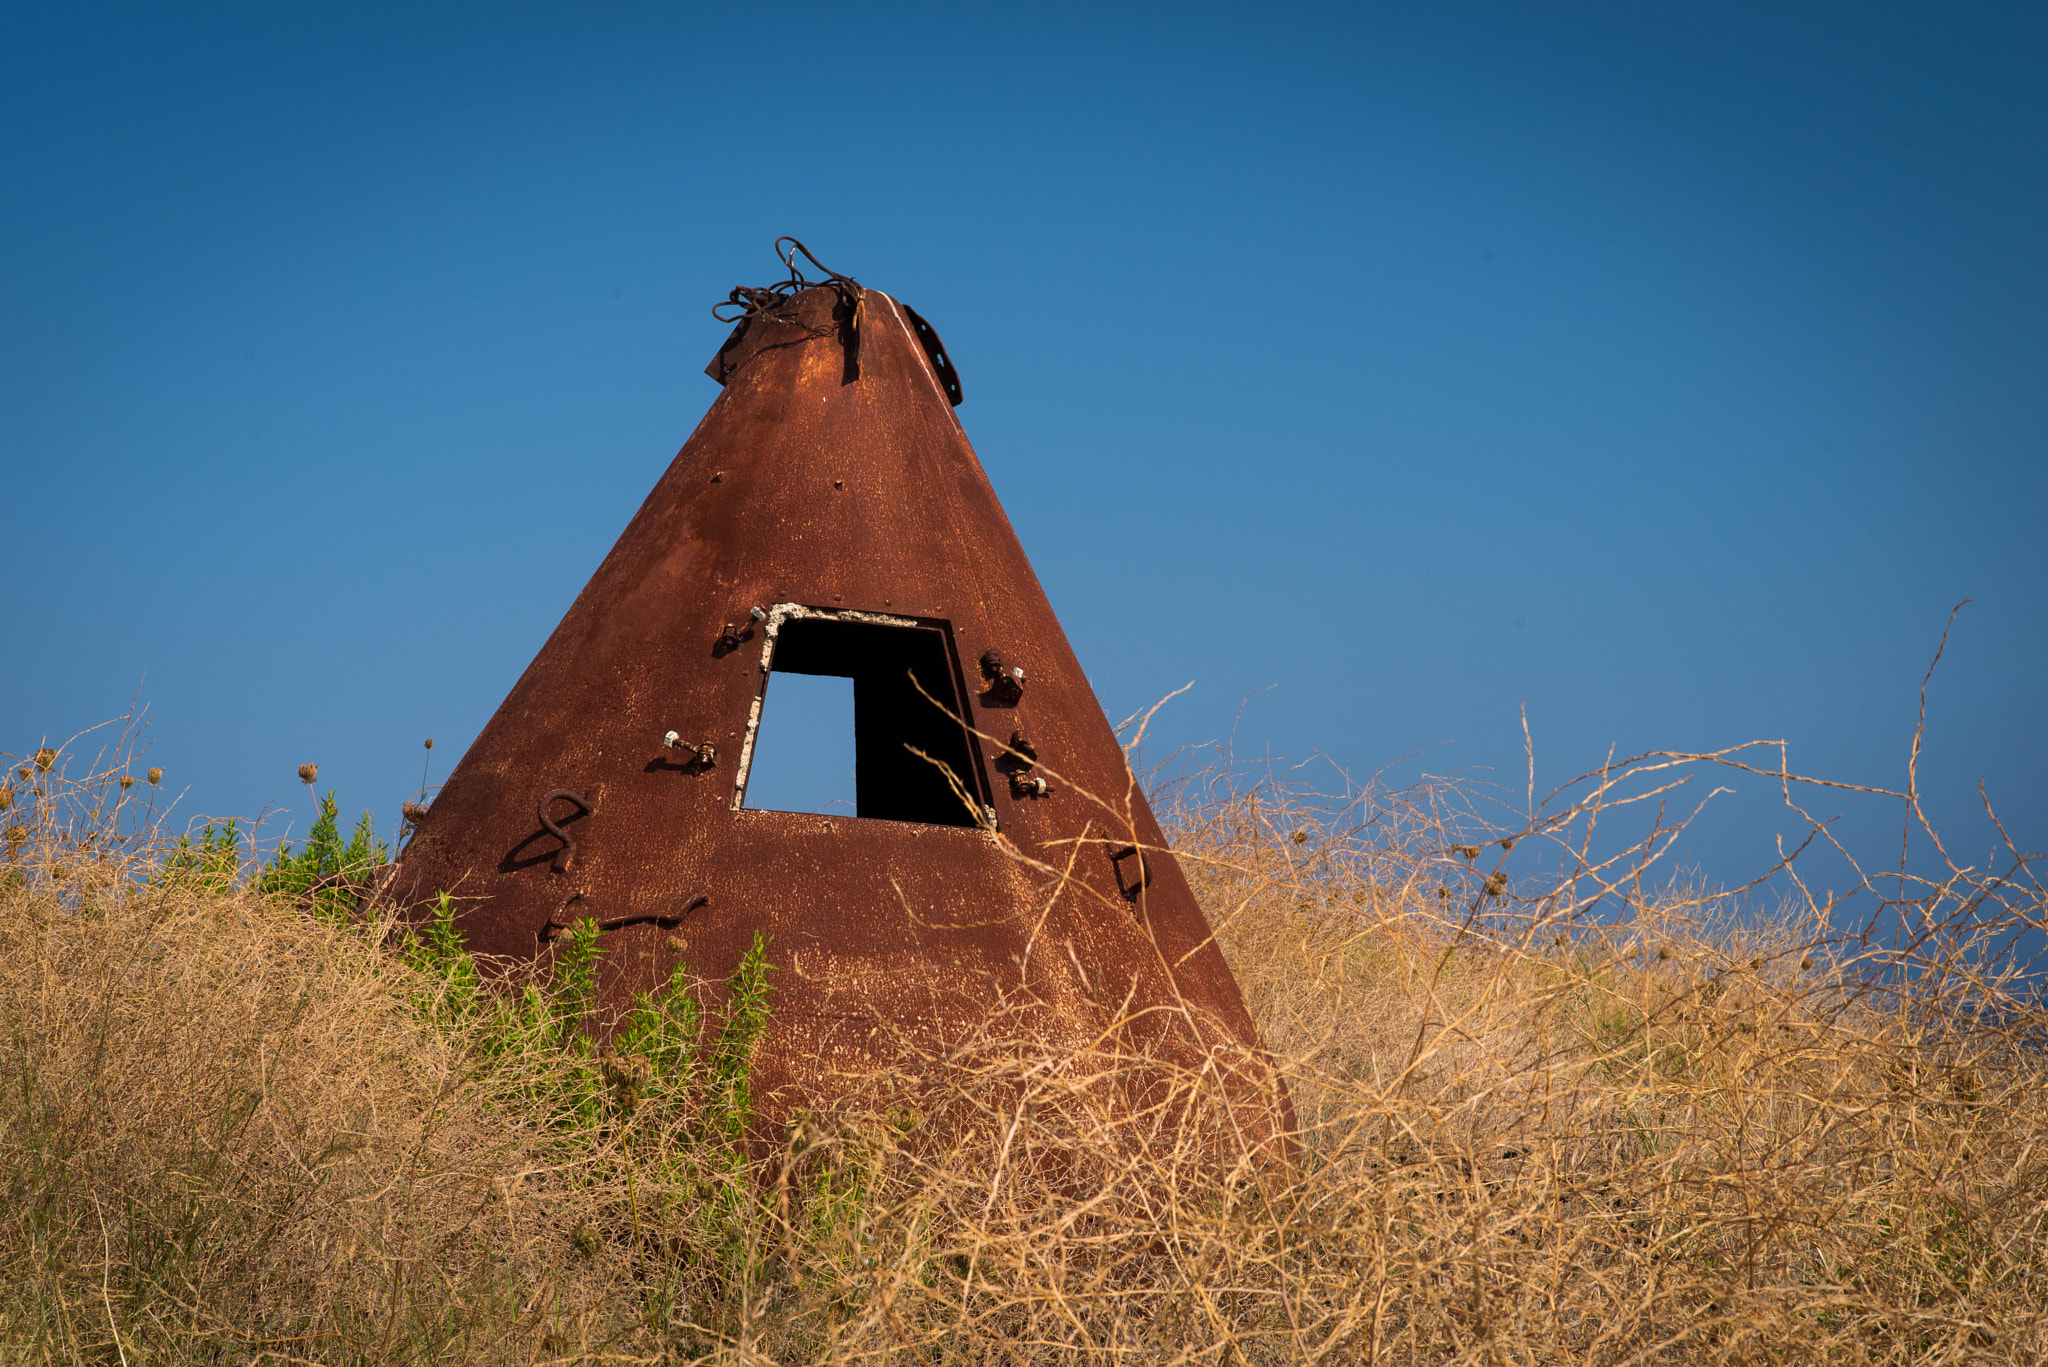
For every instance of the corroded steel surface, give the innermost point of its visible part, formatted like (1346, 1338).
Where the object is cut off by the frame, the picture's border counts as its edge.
(608, 783)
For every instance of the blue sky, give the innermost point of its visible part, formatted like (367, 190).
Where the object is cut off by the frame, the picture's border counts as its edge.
(1670, 370)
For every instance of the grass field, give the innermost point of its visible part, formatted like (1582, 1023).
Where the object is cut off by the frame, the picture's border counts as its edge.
(1576, 1118)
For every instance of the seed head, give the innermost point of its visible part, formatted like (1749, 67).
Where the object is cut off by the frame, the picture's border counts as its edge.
(155, 776)
(585, 1239)
(309, 774)
(22, 773)
(127, 782)
(413, 812)
(1807, 962)
(45, 757)
(1301, 837)
(1466, 851)
(430, 742)
(6, 798)
(1496, 883)
(1664, 951)
(1508, 843)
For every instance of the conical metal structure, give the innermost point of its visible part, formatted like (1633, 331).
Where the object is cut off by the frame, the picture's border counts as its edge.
(828, 516)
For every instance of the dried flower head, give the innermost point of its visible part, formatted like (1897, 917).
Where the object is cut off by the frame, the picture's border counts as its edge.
(127, 782)
(413, 812)
(17, 836)
(309, 774)
(45, 757)
(6, 798)
(1806, 962)
(1664, 951)
(430, 742)
(155, 776)
(1301, 837)
(22, 773)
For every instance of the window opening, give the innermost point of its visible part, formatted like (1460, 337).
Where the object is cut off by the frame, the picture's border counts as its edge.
(886, 664)
(803, 752)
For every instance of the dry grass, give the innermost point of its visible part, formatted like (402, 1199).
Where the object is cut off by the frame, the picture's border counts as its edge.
(1544, 1118)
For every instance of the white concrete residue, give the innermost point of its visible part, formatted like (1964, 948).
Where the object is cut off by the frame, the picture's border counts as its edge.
(770, 626)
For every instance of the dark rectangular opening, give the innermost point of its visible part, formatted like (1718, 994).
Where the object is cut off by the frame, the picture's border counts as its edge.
(888, 666)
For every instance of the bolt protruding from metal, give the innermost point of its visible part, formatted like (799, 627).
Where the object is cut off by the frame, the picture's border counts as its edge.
(1021, 746)
(705, 754)
(755, 614)
(1029, 785)
(1005, 683)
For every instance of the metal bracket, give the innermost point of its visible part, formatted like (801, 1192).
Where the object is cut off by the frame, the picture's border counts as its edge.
(942, 364)
(1116, 861)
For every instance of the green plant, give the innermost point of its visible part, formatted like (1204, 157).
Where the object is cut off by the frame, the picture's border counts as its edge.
(211, 863)
(326, 870)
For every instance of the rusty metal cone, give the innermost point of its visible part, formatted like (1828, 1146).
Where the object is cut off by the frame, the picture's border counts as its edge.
(910, 921)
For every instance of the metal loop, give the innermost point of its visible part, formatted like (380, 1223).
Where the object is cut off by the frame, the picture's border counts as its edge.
(565, 858)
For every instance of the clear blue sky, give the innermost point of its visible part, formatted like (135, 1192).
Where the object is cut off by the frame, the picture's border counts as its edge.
(1670, 369)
